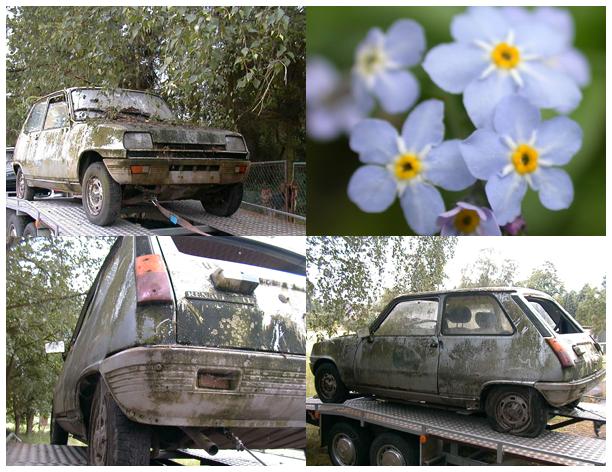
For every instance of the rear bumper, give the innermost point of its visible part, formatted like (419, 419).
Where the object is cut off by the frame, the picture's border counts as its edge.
(561, 393)
(177, 171)
(158, 385)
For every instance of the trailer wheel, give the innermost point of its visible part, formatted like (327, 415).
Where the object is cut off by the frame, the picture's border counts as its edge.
(347, 444)
(113, 438)
(101, 195)
(30, 231)
(15, 224)
(224, 202)
(329, 385)
(22, 189)
(516, 410)
(58, 435)
(393, 449)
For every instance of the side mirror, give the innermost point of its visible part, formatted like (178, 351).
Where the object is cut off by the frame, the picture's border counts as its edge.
(363, 333)
(54, 347)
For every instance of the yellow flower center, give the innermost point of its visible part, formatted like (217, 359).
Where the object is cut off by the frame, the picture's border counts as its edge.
(407, 166)
(466, 221)
(525, 159)
(505, 56)
(371, 61)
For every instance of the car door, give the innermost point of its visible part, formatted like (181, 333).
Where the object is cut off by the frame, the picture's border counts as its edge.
(476, 345)
(51, 153)
(25, 149)
(402, 352)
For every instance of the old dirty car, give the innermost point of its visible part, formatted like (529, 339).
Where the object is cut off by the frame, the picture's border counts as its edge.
(120, 147)
(186, 342)
(514, 353)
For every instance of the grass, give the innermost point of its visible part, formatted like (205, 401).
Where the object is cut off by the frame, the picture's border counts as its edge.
(42, 436)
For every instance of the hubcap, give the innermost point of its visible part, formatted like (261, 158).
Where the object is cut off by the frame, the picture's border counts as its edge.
(12, 232)
(343, 449)
(389, 455)
(98, 442)
(20, 185)
(328, 385)
(513, 412)
(95, 195)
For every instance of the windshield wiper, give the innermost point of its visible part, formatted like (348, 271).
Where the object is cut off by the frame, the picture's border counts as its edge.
(134, 111)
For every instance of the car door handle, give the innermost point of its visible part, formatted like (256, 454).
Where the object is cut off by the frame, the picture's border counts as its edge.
(434, 343)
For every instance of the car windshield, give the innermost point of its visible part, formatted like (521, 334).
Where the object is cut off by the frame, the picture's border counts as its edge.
(97, 103)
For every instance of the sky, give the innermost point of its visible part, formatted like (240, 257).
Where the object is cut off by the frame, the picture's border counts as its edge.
(579, 260)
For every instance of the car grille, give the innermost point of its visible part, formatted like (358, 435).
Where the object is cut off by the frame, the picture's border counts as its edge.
(187, 150)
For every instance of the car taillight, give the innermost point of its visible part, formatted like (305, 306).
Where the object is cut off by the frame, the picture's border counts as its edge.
(218, 380)
(561, 352)
(152, 281)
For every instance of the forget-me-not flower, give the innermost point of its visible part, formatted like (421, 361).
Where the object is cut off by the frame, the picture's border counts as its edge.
(468, 220)
(380, 66)
(493, 57)
(407, 166)
(522, 151)
(330, 107)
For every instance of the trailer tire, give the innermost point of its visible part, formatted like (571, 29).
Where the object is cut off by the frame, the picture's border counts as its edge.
(15, 224)
(516, 410)
(329, 385)
(394, 449)
(225, 201)
(348, 444)
(113, 438)
(58, 435)
(30, 231)
(101, 195)
(23, 190)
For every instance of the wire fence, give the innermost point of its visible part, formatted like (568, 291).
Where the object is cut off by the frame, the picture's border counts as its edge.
(270, 185)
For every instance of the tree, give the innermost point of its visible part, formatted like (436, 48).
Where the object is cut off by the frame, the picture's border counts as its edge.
(546, 279)
(349, 278)
(487, 272)
(591, 310)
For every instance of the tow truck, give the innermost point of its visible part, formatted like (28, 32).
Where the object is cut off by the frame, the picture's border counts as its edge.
(363, 428)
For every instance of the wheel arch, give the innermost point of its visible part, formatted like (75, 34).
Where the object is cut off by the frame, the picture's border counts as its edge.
(322, 360)
(85, 160)
(488, 387)
(86, 388)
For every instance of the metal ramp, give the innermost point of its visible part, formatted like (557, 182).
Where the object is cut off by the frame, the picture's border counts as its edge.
(18, 453)
(551, 447)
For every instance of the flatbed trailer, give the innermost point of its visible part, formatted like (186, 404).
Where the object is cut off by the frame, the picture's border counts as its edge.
(429, 436)
(64, 216)
(20, 454)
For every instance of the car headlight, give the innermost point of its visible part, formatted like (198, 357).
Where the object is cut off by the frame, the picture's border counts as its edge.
(235, 144)
(137, 141)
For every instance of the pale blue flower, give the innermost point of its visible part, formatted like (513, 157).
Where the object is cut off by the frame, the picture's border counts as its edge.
(493, 57)
(330, 107)
(381, 60)
(468, 220)
(519, 152)
(407, 166)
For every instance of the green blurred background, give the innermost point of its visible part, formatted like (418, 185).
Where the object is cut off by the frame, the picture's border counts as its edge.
(335, 32)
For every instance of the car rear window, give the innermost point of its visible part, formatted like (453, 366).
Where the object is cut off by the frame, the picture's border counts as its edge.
(35, 120)
(476, 315)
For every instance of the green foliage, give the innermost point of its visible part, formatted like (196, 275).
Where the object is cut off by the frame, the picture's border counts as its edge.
(46, 282)
(350, 278)
(486, 272)
(226, 67)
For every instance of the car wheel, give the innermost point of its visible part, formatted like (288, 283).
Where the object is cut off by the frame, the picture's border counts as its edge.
(113, 438)
(15, 224)
(58, 435)
(347, 444)
(393, 449)
(224, 202)
(101, 195)
(30, 231)
(329, 385)
(23, 190)
(517, 410)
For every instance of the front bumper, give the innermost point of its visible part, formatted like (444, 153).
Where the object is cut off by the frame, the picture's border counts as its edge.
(177, 171)
(158, 385)
(561, 393)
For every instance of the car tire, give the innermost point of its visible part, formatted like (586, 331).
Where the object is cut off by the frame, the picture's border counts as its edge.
(516, 410)
(23, 190)
(30, 231)
(393, 449)
(15, 224)
(224, 202)
(348, 444)
(101, 195)
(329, 385)
(113, 438)
(58, 435)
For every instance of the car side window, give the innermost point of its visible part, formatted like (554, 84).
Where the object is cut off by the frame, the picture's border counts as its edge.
(475, 315)
(410, 318)
(35, 120)
(57, 114)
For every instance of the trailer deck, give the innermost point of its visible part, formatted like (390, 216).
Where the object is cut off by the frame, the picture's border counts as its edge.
(64, 216)
(551, 447)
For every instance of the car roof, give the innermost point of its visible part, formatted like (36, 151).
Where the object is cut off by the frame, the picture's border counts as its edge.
(71, 89)
(519, 290)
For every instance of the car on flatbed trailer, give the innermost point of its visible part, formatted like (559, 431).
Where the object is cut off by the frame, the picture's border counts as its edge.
(186, 342)
(514, 353)
(120, 147)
